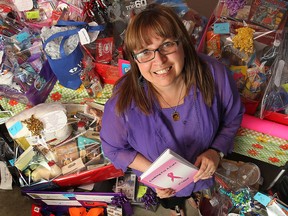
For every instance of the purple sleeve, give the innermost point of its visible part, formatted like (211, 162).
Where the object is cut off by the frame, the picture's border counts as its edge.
(231, 108)
(113, 136)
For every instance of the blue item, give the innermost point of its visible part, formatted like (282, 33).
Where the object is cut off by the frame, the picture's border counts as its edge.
(68, 67)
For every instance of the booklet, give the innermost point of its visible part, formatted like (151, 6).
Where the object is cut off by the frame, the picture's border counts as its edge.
(169, 170)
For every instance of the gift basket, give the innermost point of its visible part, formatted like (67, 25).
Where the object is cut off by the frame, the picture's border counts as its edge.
(245, 36)
(58, 144)
(274, 104)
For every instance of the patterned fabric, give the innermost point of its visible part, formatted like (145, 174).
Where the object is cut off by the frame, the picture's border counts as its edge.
(263, 147)
(60, 94)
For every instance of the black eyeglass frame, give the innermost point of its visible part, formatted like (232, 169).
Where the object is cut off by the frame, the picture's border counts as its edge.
(158, 49)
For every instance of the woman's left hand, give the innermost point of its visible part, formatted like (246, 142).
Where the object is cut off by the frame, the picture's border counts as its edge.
(207, 162)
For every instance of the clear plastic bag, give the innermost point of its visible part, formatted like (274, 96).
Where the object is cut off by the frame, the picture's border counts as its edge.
(275, 99)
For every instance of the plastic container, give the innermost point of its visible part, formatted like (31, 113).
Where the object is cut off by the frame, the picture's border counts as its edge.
(248, 174)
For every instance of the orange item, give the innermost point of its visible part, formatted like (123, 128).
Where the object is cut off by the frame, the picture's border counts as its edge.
(95, 212)
(213, 44)
(77, 211)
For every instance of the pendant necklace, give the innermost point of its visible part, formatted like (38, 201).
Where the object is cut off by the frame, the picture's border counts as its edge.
(175, 115)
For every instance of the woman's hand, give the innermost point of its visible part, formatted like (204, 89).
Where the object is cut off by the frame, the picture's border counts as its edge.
(207, 162)
(165, 193)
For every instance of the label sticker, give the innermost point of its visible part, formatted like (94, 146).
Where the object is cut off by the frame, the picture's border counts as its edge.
(221, 28)
(14, 129)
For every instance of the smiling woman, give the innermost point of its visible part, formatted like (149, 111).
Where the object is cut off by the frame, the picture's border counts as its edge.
(174, 98)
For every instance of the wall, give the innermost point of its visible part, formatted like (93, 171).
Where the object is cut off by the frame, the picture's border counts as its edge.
(203, 7)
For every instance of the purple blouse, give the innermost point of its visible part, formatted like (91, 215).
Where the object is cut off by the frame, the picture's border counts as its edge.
(199, 127)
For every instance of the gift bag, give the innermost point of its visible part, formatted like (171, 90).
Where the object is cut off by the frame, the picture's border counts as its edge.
(67, 66)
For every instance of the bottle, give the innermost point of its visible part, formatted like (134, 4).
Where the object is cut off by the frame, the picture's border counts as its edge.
(54, 169)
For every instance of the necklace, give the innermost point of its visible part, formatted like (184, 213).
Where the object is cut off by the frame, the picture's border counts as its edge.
(175, 115)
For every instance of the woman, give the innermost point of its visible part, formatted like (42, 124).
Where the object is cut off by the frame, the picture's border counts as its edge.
(171, 98)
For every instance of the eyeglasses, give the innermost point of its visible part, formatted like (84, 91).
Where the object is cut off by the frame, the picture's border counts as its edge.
(165, 49)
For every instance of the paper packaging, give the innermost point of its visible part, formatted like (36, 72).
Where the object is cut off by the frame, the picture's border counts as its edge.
(54, 119)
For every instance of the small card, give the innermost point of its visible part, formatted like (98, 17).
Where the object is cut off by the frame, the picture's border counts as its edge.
(262, 198)
(32, 14)
(84, 37)
(141, 191)
(73, 166)
(221, 28)
(14, 129)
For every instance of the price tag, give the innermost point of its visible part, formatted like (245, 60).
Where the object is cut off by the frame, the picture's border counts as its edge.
(84, 37)
(263, 199)
(22, 36)
(33, 14)
(141, 191)
(69, 195)
(14, 129)
(221, 28)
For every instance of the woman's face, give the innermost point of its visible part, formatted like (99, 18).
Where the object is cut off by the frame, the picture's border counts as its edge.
(163, 70)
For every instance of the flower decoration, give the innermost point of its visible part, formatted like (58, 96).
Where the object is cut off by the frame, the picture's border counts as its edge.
(274, 159)
(279, 152)
(262, 139)
(252, 152)
(284, 146)
(257, 145)
(13, 102)
(56, 96)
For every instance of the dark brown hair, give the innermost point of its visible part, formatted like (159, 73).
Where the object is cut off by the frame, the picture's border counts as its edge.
(161, 21)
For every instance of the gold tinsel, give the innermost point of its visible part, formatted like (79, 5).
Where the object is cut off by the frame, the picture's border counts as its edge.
(34, 125)
(244, 40)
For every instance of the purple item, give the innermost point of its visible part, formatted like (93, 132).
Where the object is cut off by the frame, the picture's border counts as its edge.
(122, 200)
(38, 92)
(199, 128)
(234, 5)
(149, 199)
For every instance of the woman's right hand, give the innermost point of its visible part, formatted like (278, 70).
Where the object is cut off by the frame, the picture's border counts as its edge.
(165, 193)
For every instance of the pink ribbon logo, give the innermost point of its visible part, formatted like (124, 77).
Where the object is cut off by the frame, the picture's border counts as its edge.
(172, 176)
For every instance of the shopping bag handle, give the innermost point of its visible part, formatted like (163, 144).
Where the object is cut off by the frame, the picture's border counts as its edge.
(81, 25)
(66, 34)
